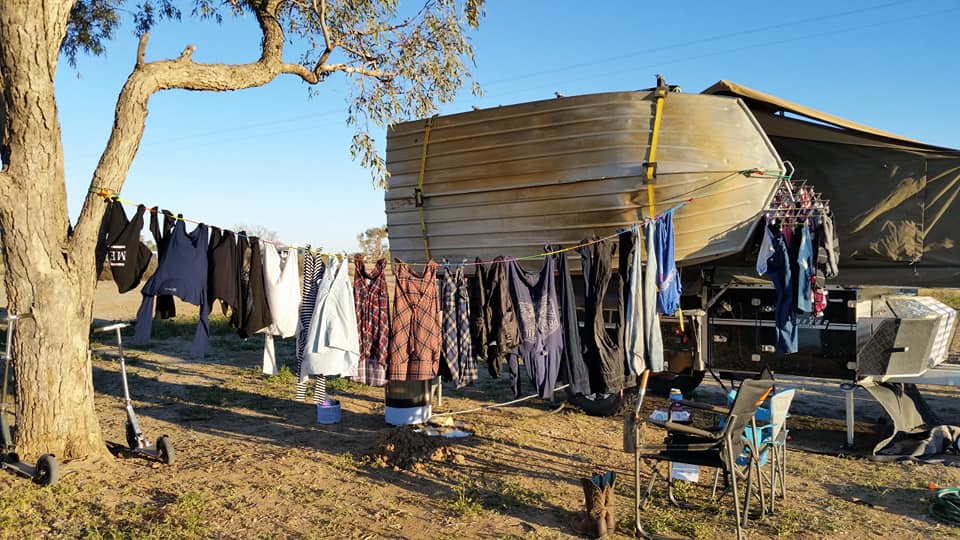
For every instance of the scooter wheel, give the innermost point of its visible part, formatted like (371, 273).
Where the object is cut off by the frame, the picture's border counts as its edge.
(48, 471)
(131, 436)
(165, 450)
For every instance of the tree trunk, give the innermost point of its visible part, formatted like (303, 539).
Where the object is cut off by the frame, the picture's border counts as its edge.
(45, 279)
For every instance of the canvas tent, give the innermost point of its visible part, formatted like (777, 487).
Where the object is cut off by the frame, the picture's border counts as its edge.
(894, 199)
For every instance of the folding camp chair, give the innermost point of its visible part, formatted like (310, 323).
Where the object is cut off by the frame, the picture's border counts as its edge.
(770, 439)
(773, 440)
(718, 447)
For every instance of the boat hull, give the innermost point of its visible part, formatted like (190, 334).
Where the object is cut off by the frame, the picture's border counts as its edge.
(511, 180)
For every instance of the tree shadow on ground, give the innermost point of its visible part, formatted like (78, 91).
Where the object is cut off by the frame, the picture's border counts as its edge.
(233, 408)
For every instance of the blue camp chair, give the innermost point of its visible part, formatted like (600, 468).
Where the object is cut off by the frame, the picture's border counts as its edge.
(769, 437)
(716, 447)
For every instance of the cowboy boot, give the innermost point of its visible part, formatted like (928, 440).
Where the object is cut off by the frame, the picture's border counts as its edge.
(592, 522)
(610, 478)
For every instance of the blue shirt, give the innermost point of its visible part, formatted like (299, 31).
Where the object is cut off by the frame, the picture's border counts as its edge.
(182, 272)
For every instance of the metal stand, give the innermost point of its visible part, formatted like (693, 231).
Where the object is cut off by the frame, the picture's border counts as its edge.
(848, 390)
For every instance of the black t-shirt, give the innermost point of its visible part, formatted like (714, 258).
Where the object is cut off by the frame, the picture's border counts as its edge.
(119, 246)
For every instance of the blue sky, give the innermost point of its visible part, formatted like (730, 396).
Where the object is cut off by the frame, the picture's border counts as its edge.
(274, 157)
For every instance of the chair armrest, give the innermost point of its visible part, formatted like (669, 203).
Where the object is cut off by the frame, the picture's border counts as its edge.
(690, 430)
(658, 423)
(704, 406)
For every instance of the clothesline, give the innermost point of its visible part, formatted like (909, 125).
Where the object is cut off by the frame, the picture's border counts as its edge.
(109, 194)
(566, 249)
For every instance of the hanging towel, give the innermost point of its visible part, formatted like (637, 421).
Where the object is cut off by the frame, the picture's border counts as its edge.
(333, 344)
(120, 247)
(282, 288)
(668, 279)
(373, 322)
(183, 273)
(415, 338)
(651, 319)
(538, 314)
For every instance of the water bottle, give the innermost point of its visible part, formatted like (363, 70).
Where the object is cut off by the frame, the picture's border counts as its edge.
(674, 403)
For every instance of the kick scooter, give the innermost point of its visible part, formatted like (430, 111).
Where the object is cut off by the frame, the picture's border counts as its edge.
(47, 472)
(137, 444)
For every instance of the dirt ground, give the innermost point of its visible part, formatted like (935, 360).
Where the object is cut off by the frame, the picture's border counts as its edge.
(253, 463)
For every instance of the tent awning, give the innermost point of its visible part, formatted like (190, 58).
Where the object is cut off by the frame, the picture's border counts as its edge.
(774, 104)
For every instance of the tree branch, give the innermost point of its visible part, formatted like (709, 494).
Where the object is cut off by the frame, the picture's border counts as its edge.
(321, 11)
(142, 49)
(131, 111)
(314, 76)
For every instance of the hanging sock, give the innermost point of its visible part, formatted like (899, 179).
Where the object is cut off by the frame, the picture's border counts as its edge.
(320, 389)
(805, 271)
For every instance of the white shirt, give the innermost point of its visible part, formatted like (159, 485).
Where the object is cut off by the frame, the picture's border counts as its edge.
(333, 341)
(281, 281)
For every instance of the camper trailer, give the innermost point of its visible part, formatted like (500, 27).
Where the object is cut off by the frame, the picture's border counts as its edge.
(512, 180)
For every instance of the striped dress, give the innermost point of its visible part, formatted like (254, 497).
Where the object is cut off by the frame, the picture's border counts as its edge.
(313, 270)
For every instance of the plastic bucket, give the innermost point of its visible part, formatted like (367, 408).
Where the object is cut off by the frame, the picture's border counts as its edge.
(408, 394)
(328, 412)
(405, 416)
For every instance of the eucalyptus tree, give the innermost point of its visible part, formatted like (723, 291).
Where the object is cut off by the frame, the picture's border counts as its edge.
(401, 62)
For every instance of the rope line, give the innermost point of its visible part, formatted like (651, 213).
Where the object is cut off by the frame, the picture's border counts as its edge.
(111, 195)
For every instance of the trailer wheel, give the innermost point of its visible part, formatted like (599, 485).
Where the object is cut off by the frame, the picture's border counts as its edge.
(685, 382)
(617, 405)
(610, 405)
